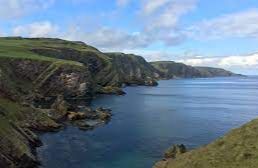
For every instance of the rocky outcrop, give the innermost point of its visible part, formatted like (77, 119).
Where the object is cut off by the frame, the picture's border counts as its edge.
(76, 116)
(111, 90)
(92, 118)
(171, 153)
(174, 151)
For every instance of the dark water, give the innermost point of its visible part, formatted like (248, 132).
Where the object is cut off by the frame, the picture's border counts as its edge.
(149, 119)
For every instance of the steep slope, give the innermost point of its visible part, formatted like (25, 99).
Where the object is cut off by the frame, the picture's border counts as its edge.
(132, 69)
(170, 69)
(17, 141)
(237, 149)
(214, 72)
(107, 69)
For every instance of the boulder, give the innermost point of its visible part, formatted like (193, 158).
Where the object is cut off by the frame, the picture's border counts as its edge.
(103, 114)
(83, 125)
(76, 116)
(60, 107)
(174, 151)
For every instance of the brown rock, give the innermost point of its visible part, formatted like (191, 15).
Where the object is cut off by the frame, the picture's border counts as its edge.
(174, 151)
(76, 116)
(103, 114)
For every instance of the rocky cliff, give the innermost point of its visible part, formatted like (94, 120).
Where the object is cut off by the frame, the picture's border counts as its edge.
(237, 149)
(214, 72)
(170, 69)
(43, 80)
(132, 70)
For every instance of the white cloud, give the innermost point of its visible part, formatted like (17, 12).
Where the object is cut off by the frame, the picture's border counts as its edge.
(238, 61)
(36, 29)
(244, 61)
(108, 39)
(166, 13)
(122, 3)
(150, 6)
(239, 25)
(162, 19)
(17, 8)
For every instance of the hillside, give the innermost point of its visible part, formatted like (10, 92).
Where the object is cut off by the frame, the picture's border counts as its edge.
(214, 72)
(237, 149)
(170, 69)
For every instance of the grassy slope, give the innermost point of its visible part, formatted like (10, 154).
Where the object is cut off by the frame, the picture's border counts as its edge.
(237, 149)
(15, 139)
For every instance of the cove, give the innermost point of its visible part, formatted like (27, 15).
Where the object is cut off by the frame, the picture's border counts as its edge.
(148, 120)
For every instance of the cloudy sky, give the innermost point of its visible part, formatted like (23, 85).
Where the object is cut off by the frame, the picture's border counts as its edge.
(222, 33)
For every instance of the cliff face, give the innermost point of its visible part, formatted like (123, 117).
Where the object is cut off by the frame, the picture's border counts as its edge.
(170, 69)
(237, 149)
(214, 72)
(107, 69)
(131, 69)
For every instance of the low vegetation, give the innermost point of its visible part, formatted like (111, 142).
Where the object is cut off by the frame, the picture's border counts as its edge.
(237, 149)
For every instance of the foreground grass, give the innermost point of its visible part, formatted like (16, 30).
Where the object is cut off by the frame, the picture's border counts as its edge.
(237, 149)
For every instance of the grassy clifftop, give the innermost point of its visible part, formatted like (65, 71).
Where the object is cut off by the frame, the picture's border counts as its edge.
(237, 149)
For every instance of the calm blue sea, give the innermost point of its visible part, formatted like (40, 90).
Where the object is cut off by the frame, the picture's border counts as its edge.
(148, 120)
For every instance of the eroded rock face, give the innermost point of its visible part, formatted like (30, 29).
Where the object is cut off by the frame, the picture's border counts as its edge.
(68, 82)
(28, 69)
(59, 108)
(132, 70)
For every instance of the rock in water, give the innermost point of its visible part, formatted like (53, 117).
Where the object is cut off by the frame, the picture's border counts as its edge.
(112, 90)
(76, 116)
(103, 114)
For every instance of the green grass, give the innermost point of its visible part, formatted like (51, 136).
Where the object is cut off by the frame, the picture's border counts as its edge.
(237, 149)
(19, 48)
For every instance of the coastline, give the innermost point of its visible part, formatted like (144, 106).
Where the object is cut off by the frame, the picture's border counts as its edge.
(45, 82)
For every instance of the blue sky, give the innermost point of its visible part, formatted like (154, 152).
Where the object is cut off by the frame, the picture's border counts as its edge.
(222, 33)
